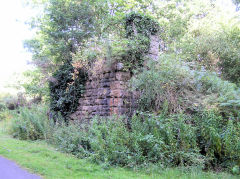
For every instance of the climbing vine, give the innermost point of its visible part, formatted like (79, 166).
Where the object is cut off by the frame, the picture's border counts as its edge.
(138, 28)
(68, 83)
(66, 87)
(141, 24)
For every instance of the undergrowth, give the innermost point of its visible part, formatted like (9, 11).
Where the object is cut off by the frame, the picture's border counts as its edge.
(31, 123)
(166, 141)
(173, 86)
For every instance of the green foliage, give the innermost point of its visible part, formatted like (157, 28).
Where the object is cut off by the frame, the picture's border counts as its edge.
(4, 112)
(66, 87)
(135, 52)
(35, 84)
(165, 86)
(236, 170)
(70, 139)
(109, 141)
(151, 139)
(219, 93)
(168, 140)
(137, 23)
(205, 140)
(2, 103)
(136, 43)
(200, 49)
(218, 139)
(46, 161)
(31, 123)
(138, 28)
(171, 86)
(217, 52)
(12, 102)
(63, 27)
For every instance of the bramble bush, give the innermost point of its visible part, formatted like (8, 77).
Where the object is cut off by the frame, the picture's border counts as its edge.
(218, 139)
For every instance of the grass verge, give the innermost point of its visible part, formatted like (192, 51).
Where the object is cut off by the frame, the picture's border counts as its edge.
(42, 159)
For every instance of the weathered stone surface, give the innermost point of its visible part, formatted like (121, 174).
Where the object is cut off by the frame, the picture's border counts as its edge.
(106, 94)
(119, 66)
(122, 76)
(154, 47)
(106, 89)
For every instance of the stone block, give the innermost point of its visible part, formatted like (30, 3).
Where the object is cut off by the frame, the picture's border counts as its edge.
(104, 102)
(114, 110)
(106, 93)
(107, 76)
(117, 93)
(123, 76)
(118, 85)
(115, 102)
(105, 84)
(85, 108)
(112, 75)
(119, 66)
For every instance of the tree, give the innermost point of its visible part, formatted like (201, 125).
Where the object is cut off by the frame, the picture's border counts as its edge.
(63, 27)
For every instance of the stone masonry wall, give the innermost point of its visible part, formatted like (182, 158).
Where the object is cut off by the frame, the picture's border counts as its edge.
(106, 89)
(106, 93)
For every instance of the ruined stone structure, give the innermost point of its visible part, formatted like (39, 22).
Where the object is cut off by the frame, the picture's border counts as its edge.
(106, 93)
(154, 47)
(106, 90)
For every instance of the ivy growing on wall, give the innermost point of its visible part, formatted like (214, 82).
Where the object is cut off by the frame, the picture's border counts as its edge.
(66, 87)
(138, 28)
(68, 83)
(141, 24)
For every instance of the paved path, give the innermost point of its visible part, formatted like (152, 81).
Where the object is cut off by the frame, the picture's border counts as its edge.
(10, 170)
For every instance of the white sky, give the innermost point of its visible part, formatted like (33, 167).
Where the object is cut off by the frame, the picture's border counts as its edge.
(13, 31)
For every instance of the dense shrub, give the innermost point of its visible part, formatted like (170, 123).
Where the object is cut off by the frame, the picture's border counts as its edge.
(217, 51)
(151, 139)
(12, 102)
(163, 86)
(4, 114)
(31, 123)
(205, 140)
(219, 139)
(173, 86)
(104, 140)
(70, 138)
(170, 140)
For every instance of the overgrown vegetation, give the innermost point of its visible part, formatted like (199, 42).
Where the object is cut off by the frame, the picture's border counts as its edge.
(172, 86)
(138, 28)
(46, 161)
(66, 87)
(201, 141)
(189, 98)
(166, 141)
(31, 124)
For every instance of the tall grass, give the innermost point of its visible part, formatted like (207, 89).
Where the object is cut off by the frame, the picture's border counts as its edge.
(31, 123)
